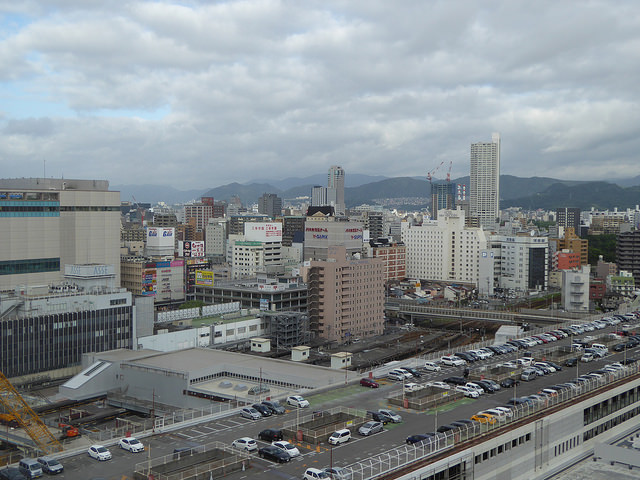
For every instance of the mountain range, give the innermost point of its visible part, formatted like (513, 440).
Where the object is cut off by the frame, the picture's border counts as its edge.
(529, 193)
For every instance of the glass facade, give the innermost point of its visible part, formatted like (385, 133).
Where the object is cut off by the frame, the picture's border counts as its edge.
(35, 265)
(49, 342)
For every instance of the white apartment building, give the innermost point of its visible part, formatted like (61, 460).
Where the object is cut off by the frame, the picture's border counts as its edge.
(575, 289)
(258, 248)
(522, 261)
(444, 249)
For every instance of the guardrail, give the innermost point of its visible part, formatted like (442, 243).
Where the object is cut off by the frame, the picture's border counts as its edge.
(403, 456)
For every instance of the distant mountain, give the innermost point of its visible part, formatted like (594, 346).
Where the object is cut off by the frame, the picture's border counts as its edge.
(600, 195)
(155, 193)
(535, 192)
(627, 182)
(351, 180)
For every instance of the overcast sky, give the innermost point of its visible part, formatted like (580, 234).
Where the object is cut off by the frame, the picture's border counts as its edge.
(200, 94)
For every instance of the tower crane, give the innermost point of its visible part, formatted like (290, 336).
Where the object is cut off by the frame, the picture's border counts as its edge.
(27, 418)
(449, 172)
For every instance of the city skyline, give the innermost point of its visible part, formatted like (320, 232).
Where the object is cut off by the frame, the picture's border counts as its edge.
(154, 92)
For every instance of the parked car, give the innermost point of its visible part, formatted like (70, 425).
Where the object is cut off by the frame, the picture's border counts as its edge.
(397, 376)
(420, 437)
(455, 380)
(262, 409)
(270, 435)
(466, 391)
(287, 447)
(274, 406)
(340, 436)
(432, 367)
(368, 382)
(587, 357)
(250, 413)
(338, 473)
(571, 362)
(11, 473)
(442, 385)
(245, 443)
(99, 452)
(131, 444)
(50, 465)
(379, 417)
(315, 474)
(395, 418)
(452, 361)
(484, 418)
(297, 401)
(509, 382)
(528, 374)
(273, 453)
(415, 373)
(412, 387)
(369, 428)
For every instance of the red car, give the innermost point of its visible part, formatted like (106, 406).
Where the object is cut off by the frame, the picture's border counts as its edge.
(367, 382)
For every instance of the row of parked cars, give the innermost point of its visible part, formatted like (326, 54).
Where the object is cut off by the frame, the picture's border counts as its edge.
(266, 408)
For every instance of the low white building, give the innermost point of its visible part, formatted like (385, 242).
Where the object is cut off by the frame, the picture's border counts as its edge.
(575, 289)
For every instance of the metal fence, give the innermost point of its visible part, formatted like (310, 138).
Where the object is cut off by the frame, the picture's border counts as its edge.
(224, 460)
(399, 457)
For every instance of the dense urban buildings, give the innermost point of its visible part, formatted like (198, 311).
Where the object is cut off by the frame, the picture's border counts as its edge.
(270, 204)
(484, 194)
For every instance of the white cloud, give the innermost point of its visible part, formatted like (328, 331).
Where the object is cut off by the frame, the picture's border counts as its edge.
(200, 94)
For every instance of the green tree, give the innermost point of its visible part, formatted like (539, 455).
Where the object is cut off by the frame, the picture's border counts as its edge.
(604, 245)
(191, 304)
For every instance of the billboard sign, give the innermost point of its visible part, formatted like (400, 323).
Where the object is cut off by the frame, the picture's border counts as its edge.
(204, 278)
(192, 249)
(160, 237)
(263, 231)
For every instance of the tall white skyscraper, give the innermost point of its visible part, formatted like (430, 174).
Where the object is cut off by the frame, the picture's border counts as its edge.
(484, 182)
(335, 189)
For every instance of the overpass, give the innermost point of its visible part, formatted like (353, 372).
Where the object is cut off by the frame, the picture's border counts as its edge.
(410, 312)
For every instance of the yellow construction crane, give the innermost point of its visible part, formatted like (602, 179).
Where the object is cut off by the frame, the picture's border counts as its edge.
(27, 418)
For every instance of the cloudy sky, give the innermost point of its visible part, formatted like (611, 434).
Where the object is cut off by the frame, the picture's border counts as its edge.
(200, 94)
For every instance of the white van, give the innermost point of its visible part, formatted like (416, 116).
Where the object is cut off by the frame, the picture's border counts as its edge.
(600, 346)
(467, 392)
(30, 468)
(394, 375)
(431, 367)
(452, 361)
(340, 436)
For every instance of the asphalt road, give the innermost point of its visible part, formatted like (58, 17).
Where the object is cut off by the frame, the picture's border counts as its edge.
(226, 430)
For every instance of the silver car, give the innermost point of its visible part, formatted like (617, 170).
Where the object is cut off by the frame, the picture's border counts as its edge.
(250, 413)
(369, 428)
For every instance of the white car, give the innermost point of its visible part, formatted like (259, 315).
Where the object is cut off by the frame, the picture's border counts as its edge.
(476, 387)
(315, 474)
(412, 387)
(452, 361)
(132, 444)
(431, 367)
(99, 452)
(292, 450)
(402, 372)
(444, 386)
(467, 392)
(506, 411)
(245, 443)
(481, 354)
(297, 401)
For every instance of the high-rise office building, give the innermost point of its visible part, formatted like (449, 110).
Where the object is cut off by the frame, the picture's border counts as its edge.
(48, 223)
(335, 189)
(270, 204)
(318, 196)
(442, 197)
(568, 217)
(485, 181)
